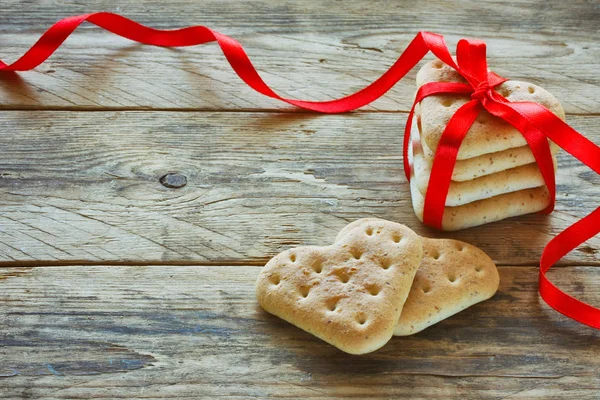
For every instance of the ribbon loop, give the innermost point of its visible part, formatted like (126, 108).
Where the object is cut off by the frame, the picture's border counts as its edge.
(472, 61)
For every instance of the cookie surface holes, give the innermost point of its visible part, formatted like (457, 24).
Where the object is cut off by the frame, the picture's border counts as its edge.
(275, 279)
(343, 275)
(318, 267)
(531, 89)
(292, 257)
(505, 92)
(477, 269)
(304, 290)
(482, 118)
(452, 278)
(361, 319)
(447, 102)
(437, 65)
(356, 253)
(373, 290)
(435, 255)
(332, 304)
(426, 289)
(396, 237)
(385, 264)
(369, 231)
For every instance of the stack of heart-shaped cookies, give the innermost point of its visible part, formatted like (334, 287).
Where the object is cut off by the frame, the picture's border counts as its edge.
(378, 279)
(496, 175)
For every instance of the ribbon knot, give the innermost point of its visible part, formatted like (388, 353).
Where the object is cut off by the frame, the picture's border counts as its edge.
(482, 91)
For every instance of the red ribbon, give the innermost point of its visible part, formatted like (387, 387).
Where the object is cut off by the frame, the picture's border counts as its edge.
(534, 121)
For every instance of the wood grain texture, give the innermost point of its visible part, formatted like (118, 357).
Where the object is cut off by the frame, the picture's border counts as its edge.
(85, 186)
(197, 332)
(210, 174)
(310, 49)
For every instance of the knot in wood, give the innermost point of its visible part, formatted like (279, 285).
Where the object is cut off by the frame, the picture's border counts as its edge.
(173, 180)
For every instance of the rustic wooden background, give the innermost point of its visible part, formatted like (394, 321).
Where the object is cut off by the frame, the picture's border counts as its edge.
(115, 284)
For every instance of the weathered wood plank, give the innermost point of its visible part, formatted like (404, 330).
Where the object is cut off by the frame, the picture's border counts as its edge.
(313, 50)
(84, 186)
(175, 332)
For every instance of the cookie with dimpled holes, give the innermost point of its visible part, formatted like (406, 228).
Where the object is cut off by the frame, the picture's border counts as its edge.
(349, 294)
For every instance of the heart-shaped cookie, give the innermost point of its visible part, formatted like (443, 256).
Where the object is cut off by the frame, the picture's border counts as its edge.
(482, 211)
(460, 193)
(488, 134)
(485, 164)
(351, 293)
(453, 275)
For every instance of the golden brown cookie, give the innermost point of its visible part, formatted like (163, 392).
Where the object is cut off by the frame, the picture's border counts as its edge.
(488, 134)
(351, 293)
(483, 211)
(490, 163)
(459, 193)
(453, 275)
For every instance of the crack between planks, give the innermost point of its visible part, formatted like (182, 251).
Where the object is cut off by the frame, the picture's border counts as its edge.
(132, 263)
(289, 110)
(259, 262)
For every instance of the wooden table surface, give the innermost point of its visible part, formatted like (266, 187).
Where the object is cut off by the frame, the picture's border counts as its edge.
(115, 285)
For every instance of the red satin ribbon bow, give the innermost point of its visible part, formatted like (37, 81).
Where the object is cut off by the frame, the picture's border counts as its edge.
(534, 121)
